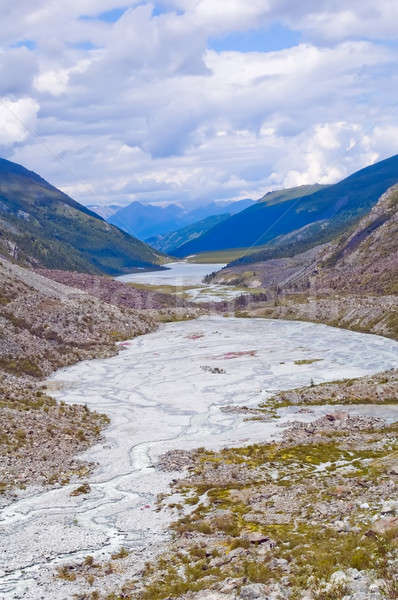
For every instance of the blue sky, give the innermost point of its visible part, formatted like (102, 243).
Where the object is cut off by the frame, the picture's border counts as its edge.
(190, 101)
(264, 39)
(109, 16)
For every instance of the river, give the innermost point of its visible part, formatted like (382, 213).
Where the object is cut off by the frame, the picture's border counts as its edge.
(179, 274)
(159, 397)
(187, 278)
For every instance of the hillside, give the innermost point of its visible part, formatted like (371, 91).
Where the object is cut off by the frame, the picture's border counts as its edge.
(248, 227)
(41, 226)
(45, 325)
(49, 320)
(148, 220)
(316, 217)
(278, 196)
(363, 260)
(169, 242)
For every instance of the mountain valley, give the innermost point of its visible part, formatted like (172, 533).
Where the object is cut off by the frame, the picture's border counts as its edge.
(154, 448)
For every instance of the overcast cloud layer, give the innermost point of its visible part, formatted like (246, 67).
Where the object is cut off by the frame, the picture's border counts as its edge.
(162, 101)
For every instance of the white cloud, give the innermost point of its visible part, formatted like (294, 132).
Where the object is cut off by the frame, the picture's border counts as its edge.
(141, 108)
(318, 156)
(319, 19)
(357, 18)
(54, 82)
(17, 69)
(17, 119)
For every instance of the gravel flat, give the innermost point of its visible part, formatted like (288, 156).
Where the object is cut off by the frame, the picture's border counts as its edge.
(159, 398)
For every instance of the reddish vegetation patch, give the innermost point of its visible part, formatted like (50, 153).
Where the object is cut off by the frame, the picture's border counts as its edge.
(230, 355)
(112, 291)
(195, 336)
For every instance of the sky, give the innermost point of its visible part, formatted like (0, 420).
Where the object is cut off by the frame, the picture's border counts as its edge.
(191, 101)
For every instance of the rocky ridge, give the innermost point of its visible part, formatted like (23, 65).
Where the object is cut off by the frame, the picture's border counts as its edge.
(365, 258)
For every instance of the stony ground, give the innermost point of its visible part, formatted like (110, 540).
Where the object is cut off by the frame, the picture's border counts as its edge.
(39, 438)
(114, 292)
(45, 325)
(370, 314)
(314, 516)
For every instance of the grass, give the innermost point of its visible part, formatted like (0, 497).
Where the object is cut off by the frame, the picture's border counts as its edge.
(17, 366)
(81, 490)
(307, 361)
(218, 257)
(122, 553)
(313, 551)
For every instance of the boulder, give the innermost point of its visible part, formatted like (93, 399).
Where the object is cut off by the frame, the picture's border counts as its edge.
(254, 591)
(384, 525)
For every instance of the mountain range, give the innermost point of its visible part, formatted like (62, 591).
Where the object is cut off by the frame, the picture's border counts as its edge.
(362, 260)
(170, 242)
(147, 221)
(297, 219)
(42, 226)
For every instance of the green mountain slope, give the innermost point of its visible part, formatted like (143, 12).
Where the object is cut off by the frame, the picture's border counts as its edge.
(362, 260)
(247, 228)
(278, 196)
(320, 215)
(40, 225)
(170, 242)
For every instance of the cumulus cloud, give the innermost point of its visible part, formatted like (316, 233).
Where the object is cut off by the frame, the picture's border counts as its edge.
(17, 120)
(321, 19)
(140, 106)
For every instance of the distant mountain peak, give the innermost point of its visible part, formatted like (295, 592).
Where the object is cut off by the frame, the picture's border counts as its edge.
(150, 221)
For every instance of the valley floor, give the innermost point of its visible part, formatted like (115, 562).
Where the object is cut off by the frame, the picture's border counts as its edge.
(250, 522)
(173, 390)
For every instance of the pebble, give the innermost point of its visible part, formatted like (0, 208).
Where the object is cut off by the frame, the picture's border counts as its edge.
(391, 506)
